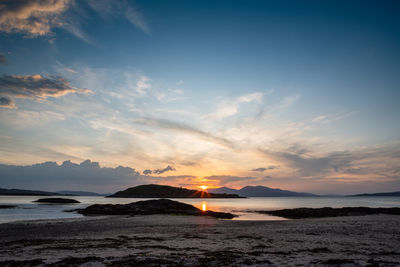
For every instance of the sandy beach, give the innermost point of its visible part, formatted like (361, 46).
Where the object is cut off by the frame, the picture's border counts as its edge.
(158, 240)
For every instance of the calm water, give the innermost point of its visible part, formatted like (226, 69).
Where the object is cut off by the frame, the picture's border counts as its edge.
(26, 210)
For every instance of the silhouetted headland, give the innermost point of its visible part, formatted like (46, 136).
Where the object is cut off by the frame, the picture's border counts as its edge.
(150, 207)
(165, 191)
(301, 213)
(57, 200)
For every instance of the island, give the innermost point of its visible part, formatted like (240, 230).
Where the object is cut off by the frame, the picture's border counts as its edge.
(165, 191)
(57, 200)
(151, 207)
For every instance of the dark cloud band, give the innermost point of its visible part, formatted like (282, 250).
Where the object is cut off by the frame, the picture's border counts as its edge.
(35, 87)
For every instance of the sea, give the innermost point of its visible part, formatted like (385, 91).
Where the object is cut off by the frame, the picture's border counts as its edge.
(27, 209)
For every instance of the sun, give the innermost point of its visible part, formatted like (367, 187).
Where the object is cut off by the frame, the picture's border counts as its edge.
(204, 206)
(204, 187)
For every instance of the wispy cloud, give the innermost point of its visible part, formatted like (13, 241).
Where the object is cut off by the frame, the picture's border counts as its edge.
(75, 29)
(326, 119)
(183, 128)
(3, 59)
(263, 169)
(230, 107)
(143, 85)
(136, 18)
(108, 8)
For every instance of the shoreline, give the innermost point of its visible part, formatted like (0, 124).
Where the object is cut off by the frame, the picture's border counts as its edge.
(152, 240)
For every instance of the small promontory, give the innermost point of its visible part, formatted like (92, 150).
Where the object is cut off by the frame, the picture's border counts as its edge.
(150, 207)
(57, 200)
(165, 191)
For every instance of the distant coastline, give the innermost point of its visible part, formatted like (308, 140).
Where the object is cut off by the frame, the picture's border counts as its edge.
(388, 194)
(164, 191)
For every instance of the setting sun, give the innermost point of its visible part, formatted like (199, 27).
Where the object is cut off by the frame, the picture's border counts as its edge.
(204, 187)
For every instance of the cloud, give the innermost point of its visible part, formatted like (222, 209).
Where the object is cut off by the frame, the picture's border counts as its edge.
(183, 128)
(264, 169)
(231, 107)
(169, 95)
(123, 8)
(136, 18)
(326, 119)
(147, 172)
(180, 82)
(6, 102)
(3, 59)
(361, 164)
(287, 101)
(37, 17)
(166, 169)
(143, 85)
(68, 175)
(33, 18)
(35, 87)
(230, 180)
(74, 28)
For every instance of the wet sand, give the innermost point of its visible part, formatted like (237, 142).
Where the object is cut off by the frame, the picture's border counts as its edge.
(201, 241)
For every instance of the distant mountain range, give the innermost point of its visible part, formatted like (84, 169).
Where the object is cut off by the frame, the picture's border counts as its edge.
(23, 192)
(80, 193)
(259, 191)
(388, 194)
(165, 191)
(148, 191)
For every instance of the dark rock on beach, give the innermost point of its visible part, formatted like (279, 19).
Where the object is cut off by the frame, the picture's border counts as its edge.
(148, 207)
(57, 200)
(7, 206)
(301, 213)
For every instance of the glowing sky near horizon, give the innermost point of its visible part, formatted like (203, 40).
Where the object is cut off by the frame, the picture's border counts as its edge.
(300, 95)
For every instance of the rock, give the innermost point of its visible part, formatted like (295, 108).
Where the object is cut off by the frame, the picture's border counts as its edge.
(148, 207)
(57, 200)
(7, 206)
(300, 213)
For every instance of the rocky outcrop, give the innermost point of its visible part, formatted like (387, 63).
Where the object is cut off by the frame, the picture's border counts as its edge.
(57, 200)
(7, 206)
(148, 207)
(301, 213)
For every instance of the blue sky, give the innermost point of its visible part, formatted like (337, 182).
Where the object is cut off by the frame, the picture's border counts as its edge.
(215, 89)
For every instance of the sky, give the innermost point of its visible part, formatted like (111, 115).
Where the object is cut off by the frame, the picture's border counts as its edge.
(100, 95)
